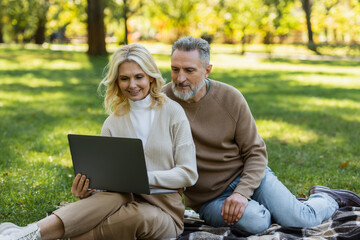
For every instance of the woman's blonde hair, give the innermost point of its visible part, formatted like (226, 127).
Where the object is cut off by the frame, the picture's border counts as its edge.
(114, 100)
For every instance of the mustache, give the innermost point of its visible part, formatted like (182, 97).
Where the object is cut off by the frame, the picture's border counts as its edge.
(182, 85)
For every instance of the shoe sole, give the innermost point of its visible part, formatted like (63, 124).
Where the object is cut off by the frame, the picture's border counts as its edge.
(327, 188)
(354, 203)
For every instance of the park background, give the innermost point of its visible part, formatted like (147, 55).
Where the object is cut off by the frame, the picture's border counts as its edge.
(296, 62)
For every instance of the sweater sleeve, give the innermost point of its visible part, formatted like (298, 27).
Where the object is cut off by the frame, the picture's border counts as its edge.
(184, 173)
(105, 130)
(252, 151)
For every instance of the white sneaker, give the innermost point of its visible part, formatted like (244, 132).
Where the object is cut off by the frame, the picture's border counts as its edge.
(4, 237)
(8, 228)
(10, 231)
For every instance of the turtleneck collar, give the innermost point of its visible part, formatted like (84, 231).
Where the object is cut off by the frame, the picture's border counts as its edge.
(140, 104)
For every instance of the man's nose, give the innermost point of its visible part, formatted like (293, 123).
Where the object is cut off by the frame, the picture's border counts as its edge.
(181, 77)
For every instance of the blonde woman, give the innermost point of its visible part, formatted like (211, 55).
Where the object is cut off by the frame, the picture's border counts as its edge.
(136, 108)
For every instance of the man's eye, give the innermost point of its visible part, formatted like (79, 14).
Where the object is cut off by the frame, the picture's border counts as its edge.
(175, 70)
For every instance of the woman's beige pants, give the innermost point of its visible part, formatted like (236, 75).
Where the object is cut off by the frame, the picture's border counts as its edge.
(116, 216)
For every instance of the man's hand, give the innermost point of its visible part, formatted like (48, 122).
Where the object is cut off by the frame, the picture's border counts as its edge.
(233, 208)
(80, 187)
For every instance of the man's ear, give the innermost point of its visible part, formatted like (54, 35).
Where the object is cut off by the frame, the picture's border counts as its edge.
(208, 70)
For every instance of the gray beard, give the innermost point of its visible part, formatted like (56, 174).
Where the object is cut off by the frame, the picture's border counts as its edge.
(187, 95)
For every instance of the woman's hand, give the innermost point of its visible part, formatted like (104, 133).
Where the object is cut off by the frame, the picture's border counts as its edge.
(80, 187)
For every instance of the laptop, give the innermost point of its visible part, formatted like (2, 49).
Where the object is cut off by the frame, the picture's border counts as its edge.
(113, 164)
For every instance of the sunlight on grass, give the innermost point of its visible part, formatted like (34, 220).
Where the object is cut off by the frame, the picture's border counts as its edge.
(227, 61)
(234, 61)
(346, 81)
(31, 80)
(351, 117)
(40, 64)
(322, 104)
(65, 65)
(285, 132)
(22, 97)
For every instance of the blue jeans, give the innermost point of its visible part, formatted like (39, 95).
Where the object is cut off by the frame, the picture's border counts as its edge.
(271, 201)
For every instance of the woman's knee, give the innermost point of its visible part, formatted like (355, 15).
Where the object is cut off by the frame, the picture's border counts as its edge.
(112, 200)
(149, 215)
(153, 223)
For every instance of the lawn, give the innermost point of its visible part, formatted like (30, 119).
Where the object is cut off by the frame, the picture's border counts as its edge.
(308, 113)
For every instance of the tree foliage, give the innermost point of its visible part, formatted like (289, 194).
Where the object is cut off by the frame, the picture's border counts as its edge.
(231, 21)
(173, 17)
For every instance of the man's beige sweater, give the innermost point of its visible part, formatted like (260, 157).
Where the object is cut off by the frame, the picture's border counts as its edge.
(227, 143)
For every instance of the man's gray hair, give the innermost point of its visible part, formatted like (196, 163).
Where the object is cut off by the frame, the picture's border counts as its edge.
(190, 44)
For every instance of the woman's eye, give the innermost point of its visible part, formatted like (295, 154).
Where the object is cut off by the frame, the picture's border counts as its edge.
(123, 78)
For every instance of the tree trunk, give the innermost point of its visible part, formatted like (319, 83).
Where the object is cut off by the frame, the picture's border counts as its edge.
(243, 45)
(307, 5)
(126, 13)
(243, 41)
(1, 25)
(1, 33)
(42, 10)
(96, 27)
(40, 31)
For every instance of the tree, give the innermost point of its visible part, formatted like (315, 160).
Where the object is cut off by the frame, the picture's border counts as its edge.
(1, 33)
(96, 27)
(28, 19)
(239, 19)
(175, 16)
(2, 5)
(328, 6)
(21, 19)
(66, 19)
(281, 21)
(128, 11)
(42, 7)
(307, 6)
(120, 11)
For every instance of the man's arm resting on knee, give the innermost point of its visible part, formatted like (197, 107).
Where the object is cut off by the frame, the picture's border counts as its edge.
(233, 208)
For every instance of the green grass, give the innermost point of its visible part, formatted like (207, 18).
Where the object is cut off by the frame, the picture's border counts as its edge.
(308, 113)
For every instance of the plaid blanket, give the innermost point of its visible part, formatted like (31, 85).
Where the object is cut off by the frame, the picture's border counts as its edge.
(344, 224)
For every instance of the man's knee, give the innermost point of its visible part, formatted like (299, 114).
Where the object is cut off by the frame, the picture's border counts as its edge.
(253, 227)
(255, 219)
(251, 223)
(211, 214)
